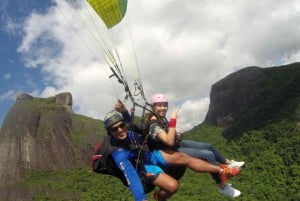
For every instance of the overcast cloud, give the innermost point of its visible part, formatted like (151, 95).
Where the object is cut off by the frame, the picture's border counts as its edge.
(182, 49)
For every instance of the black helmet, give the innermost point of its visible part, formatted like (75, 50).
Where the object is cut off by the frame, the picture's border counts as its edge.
(111, 118)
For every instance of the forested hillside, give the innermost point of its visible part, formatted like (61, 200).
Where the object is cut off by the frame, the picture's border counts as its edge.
(272, 171)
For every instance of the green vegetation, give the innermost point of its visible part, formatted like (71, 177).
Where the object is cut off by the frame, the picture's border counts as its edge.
(76, 184)
(272, 171)
(84, 128)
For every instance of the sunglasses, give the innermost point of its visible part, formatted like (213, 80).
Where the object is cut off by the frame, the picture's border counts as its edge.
(115, 128)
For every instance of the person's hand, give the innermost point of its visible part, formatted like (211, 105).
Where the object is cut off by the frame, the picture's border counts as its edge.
(178, 136)
(174, 113)
(120, 107)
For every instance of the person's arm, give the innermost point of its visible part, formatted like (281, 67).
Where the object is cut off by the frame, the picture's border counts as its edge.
(120, 107)
(166, 137)
(122, 160)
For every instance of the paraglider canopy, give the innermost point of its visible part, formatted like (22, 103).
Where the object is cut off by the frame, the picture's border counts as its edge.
(102, 19)
(110, 11)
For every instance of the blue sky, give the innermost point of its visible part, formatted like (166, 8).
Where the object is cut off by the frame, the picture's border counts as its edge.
(179, 48)
(15, 77)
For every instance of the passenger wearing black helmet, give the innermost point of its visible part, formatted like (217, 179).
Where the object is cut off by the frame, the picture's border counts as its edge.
(128, 149)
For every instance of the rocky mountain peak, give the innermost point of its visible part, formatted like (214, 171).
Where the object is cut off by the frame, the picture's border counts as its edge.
(233, 95)
(38, 134)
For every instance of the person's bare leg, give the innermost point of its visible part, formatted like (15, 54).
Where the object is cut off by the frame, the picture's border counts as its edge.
(174, 158)
(168, 186)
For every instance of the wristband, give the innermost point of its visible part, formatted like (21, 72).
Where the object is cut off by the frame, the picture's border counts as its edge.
(172, 123)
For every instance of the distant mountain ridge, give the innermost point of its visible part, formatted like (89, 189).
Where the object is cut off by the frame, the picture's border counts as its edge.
(45, 133)
(238, 93)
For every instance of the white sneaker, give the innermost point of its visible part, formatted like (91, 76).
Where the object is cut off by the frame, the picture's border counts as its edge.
(235, 164)
(229, 191)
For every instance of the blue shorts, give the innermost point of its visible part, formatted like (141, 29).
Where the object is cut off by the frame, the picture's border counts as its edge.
(153, 168)
(158, 159)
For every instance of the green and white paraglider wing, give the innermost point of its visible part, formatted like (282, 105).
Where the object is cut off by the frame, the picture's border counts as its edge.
(110, 11)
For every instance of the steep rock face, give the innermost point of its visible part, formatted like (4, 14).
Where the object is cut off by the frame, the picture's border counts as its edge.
(253, 94)
(36, 135)
(233, 95)
(65, 99)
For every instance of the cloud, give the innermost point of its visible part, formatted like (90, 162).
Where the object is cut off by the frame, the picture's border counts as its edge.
(182, 48)
(9, 95)
(193, 113)
(6, 76)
